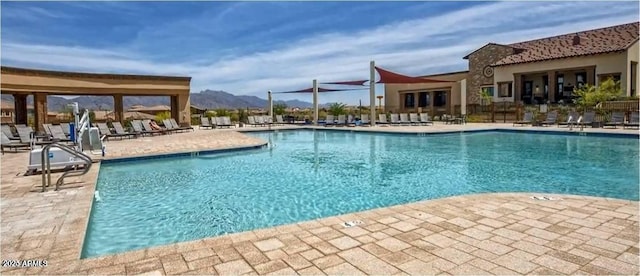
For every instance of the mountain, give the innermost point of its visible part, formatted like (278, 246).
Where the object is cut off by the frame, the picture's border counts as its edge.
(209, 99)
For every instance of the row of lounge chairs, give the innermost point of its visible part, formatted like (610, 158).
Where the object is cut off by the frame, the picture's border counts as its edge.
(143, 127)
(216, 122)
(24, 137)
(575, 119)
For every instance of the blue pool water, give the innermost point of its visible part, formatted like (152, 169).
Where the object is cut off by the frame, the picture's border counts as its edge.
(311, 174)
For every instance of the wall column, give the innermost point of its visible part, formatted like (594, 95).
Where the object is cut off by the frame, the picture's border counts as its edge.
(40, 110)
(449, 103)
(20, 108)
(517, 88)
(181, 109)
(118, 108)
(431, 99)
(591, 76)
(552, 86)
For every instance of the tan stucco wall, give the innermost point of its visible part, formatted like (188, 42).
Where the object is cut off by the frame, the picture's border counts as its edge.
(606, 63)
(393, 101)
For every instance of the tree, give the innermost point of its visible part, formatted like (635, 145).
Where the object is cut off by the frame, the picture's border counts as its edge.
(336, 109)
(589, 96)
(92, 116)
(279, 108)
(485, 97)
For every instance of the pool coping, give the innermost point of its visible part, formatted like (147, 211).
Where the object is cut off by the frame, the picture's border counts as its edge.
(181, 154)
(563, 131)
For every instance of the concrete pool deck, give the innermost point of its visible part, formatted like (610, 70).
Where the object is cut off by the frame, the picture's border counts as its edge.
(470, 234)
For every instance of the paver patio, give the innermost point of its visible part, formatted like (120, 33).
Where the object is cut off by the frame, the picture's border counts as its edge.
(470, 234)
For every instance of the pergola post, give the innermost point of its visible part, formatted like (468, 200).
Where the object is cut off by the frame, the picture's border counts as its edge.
(20, 108)
(180, 108)
(315, 102)
(372, 92)
(40, 110)
(118, 108)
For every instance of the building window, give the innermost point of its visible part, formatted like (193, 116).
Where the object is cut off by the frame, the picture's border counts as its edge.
(560, 87)
(409, 101)
(505, 90)
(581, 79)
(615, 76)
(440, 98)
(487, 90)
(423, 99)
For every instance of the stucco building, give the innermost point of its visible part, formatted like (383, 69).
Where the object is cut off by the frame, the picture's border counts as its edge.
(544, 70)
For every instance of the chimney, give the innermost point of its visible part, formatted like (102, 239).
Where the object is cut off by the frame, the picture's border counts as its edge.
(576, 40)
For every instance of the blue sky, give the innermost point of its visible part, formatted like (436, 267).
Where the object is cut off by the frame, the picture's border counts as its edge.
(247, 48)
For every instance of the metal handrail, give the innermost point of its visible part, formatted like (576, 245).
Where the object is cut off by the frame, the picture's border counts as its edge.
(46, 164)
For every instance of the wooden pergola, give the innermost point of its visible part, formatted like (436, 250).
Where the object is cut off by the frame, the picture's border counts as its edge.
(21, 82)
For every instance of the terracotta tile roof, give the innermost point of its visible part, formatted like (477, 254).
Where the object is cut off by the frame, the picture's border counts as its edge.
(598, 41)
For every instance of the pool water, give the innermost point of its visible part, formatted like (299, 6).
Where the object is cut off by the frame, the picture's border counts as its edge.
(311, 174)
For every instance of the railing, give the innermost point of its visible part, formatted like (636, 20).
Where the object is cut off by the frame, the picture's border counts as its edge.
(46, 165)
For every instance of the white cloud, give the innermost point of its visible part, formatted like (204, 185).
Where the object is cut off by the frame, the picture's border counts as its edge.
(343, 56)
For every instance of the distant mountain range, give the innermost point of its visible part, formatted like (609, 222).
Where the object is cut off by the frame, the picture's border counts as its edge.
(208, 99)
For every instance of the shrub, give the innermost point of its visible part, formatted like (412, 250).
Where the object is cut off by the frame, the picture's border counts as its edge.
(163, 116)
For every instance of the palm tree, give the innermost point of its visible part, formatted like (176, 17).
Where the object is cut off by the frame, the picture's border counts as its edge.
(336, 109)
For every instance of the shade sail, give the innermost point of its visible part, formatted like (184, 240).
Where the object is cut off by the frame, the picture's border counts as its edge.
(310, 90)
(355, 82)
(391, 77)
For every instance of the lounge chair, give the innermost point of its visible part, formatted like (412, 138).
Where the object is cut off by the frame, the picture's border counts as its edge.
(168, 126)
(227, 122)
(572, 119)
(251, 120)
(330, 121)
(260, 121)
(587, 119)
(365, 120)
(382, 119)
(106, 132)
(633, 120)
(617, 119)
(204, 122)
(176, 125)
(404, 119)
(120, 130)
(395, 121)
(341, 121)
(279, 120)
(7, 143)
(66, 128)
(57, 134)
(268, 120)
(6, 130)
(527, 120)
(414, 119)
(551, 119)
(146, 124)
(351, 121)
(425, 119)
(27, 136)
(138, 127)
(220, 122)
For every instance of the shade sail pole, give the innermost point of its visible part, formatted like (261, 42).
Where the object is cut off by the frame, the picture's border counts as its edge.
(315, 102)
(372, 92)
(463, 97)
(270, 104)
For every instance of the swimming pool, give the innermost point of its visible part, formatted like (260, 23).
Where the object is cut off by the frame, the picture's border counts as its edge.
(312, 174)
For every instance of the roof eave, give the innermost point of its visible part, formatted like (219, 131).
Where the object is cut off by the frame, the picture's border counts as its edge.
(540, 60)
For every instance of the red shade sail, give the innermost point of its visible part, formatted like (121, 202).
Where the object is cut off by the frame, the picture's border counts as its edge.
(310, 90)
(356, 82)
(391, 77)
